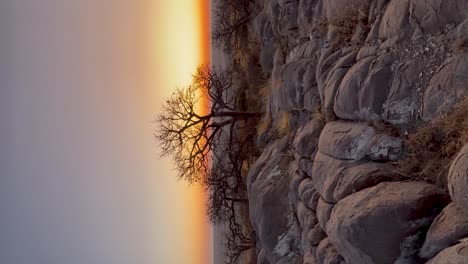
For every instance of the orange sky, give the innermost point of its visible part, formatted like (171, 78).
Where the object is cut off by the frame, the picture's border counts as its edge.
(180, 43)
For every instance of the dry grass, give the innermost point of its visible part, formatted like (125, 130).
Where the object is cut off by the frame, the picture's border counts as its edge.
(351, 26)
(265, 124)
(281, 123)
(432, 147)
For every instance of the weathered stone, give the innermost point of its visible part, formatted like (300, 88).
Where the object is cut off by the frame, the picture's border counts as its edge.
(261, 258)
(310, 256)
(269, 202)
(448, 87)
(361, 96)
(432, 15)
(306, 139)
(294, 186)
(346, 140)
(384, 224)
(327, 254)
(308, 194)
(323, 212)
(315, 235)
(395, 21)
(448, 227)
(401, 106)
(307, 218)
(458, 179)
(346, 100)
(385, 147)
(331, 70)
(306, 166)
(457, 254)
(335, 179)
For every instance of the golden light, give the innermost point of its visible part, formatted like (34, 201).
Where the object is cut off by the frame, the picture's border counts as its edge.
(180, 43)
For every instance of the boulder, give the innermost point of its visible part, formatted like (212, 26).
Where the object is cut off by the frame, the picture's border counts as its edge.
(323, 212)
(457, 254)
(327, 254)
(346, 140)
(447, 87)
(330, 72)
(271, 209)
(448, 227)
(335, 179)
(308, 194)
(356, 141)
(401, 106)
(458, 179)
(306, 139)
(362, 94)
(315, 235)
(386, 223)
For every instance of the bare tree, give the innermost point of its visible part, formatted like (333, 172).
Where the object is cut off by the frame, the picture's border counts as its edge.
(230, 17)
(187, 132)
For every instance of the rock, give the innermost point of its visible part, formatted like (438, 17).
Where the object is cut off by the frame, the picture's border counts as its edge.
(346, 140)
(306, 166)
(315, 235)
(384, 147)
(447, 87)
(294, 186)
(433, 15)
(288, 19)
(335, 179)
(346, 101)
(310, 256)
(308, 194)
(362, 94)
(266, 57)
(330, 74)
(356, 141)
(323, 212)
(307, 218)
(449, 226)
(271, 209)
(395, 21)
(306, 139)
(385, 223)
(458, 179)
(261, 258)
(457, 254)
(401, 106)
(327, 254)
(305, 16)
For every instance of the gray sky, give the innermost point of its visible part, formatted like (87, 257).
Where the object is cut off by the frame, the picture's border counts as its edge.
(79, 176)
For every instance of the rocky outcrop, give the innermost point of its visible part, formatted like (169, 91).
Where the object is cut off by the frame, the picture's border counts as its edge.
(346, 70)
(386, 223)
(271, 209)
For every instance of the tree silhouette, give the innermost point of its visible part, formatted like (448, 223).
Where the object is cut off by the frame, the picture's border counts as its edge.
(230, 16)
(188, 130)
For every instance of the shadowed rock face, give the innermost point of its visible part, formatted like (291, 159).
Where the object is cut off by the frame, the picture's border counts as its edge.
(341, 68)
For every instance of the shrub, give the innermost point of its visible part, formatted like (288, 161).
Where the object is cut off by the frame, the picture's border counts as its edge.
(431, 148)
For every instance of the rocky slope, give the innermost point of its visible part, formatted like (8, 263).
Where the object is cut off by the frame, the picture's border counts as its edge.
(328, 191)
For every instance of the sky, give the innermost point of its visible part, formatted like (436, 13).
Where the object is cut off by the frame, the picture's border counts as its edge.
(81, 180)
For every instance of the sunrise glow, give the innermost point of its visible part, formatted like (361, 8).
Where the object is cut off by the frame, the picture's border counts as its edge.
(180, 43)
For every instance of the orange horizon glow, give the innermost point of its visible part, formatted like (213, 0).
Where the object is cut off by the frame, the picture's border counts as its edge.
(180, 45)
